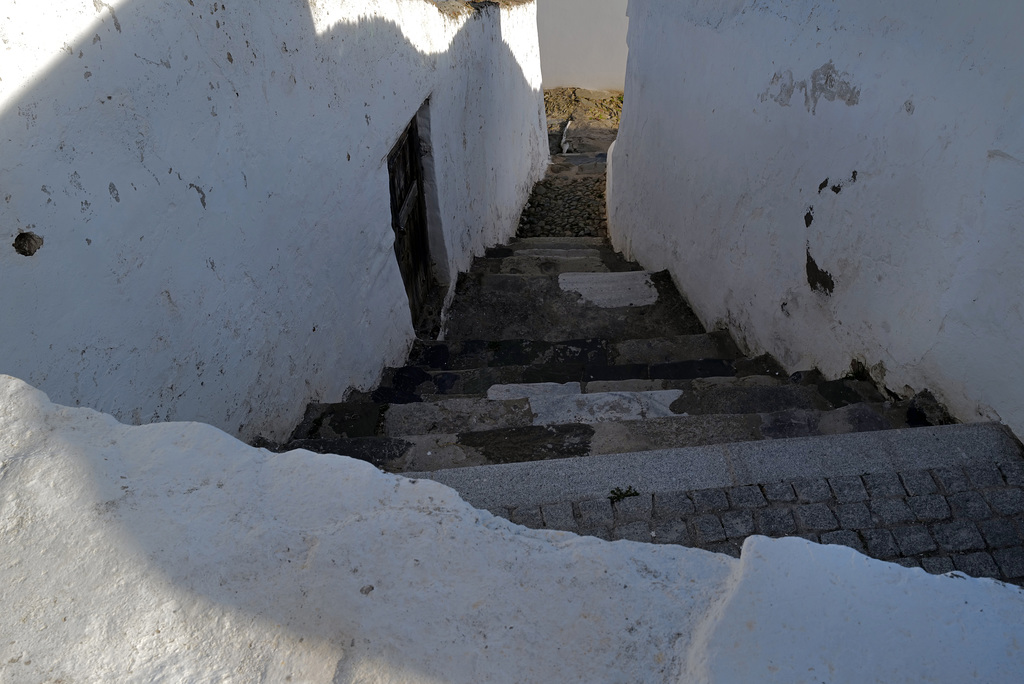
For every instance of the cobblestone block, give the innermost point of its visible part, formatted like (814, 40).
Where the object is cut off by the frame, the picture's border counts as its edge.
(884, 485)
(891, 511)
(559, 517)
(633, 508)
(848, 489)
(913, 540)
(812, 490)
(959, 535)
(844, 538)
(880, 544)
(919, 483)
(594, 513)
(1000, 533)
(1014, 473)
(747, 497)
(937, 565)
(970, 505)
(908, 562)
(638, 531)
(779, 491)
(672, 505)
(528, 516)
(930, 508)
(1006, 501)
(951, 480)
(726, 547)
(854, 516)
(1010, 561)
(672, 532)
(816, 517)
(738, 524)
(774, 522)
(709, 500)
(978, 564)
(984, 475)
(708, 528)
(809, 536)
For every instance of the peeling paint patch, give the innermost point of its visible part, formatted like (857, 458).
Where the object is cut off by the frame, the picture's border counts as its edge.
(819, 280)
(202, 193)
(825, 82)
(999, 154)
(100, 7)
(113, 193)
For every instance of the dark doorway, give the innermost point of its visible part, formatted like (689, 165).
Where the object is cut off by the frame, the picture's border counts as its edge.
(409, 220)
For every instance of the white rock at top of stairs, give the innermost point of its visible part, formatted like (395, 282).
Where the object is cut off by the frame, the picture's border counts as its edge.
(611, 290)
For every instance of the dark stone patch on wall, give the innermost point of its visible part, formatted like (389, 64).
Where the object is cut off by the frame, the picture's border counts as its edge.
(824, 184)
(809, 217)
(27, 243)
(202, 193)
(817, 278)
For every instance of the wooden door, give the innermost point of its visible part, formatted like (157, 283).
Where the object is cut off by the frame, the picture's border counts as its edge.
(409, 219)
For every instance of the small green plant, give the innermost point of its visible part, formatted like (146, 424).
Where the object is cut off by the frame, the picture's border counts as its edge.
(618, 494)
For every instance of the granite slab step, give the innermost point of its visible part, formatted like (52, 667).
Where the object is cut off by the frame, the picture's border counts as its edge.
(548, 441)
(632, 304)
(415, 383)
(471, 415)
(735, 464)
(466, 354)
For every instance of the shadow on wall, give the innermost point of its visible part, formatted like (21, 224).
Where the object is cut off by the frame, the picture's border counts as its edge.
(195, 197)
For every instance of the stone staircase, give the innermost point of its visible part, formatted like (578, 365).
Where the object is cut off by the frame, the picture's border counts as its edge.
(574, 390)
(557, 347)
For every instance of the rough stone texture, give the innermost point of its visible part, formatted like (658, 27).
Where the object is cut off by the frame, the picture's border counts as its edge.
(912, 530)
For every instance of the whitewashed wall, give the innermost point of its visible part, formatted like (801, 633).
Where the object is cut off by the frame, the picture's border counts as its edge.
(583, 43)
(210, 183)
(737, 113)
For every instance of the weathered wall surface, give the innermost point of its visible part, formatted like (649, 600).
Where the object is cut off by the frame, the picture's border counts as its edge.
(836, 182)
(583, 43)
(210, 183)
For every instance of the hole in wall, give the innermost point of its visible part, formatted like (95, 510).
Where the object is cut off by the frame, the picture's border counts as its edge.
(27, 243)
(809, 217)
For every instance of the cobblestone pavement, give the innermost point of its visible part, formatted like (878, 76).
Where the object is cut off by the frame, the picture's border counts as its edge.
(969, 519)
(566, 207)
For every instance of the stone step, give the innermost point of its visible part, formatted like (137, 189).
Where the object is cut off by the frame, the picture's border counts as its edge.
(548, 262)
(527, 243)
(554, 404)
(466, 354)
(413, 383)
(621, 305)
(734, 464)
(473, 442)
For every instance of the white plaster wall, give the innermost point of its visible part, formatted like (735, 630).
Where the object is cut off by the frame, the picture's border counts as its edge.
(583, 43)
(725, 141)
(210, 180)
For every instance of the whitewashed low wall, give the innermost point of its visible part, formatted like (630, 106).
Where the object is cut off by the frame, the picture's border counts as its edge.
(837, 181)
(211, 187)
(583, 43)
